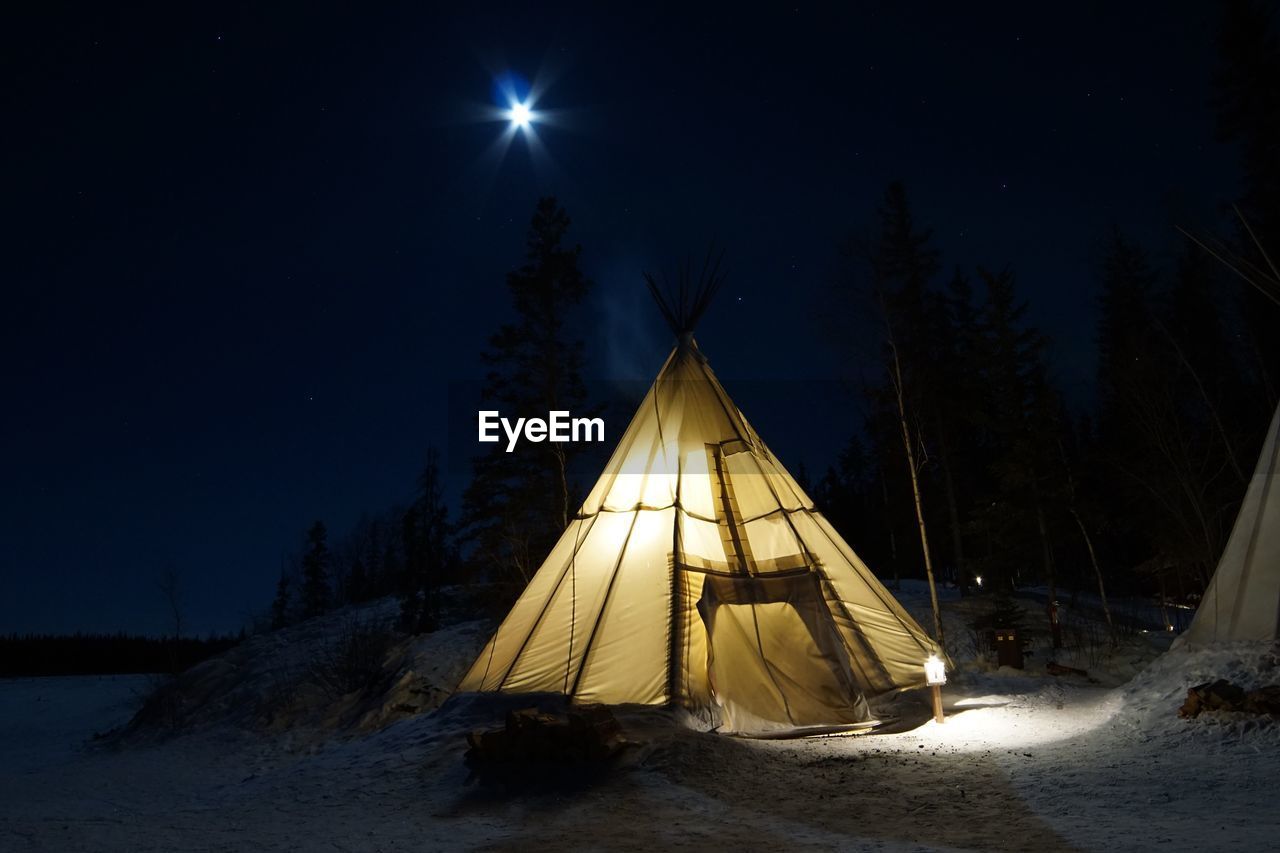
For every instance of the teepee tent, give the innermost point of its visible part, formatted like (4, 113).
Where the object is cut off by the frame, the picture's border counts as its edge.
(698, 573)
(1243, 598)
(1242, 602)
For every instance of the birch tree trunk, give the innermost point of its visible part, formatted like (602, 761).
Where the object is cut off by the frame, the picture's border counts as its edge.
(1088, 544)
(1097, 571)
(915, 492)
(1055, 629)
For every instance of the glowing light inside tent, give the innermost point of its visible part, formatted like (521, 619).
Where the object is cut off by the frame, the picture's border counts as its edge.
(935, 671)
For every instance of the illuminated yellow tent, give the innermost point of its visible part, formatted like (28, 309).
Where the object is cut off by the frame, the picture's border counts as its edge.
(698, 573)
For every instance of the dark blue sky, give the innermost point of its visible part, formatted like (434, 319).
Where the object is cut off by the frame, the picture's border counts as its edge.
(251, 247)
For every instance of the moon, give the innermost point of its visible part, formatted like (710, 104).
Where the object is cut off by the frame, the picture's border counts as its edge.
(520, 114)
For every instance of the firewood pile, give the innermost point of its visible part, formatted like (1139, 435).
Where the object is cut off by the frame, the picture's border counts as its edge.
(582, 736)
(1222, 695)
(1056, 669)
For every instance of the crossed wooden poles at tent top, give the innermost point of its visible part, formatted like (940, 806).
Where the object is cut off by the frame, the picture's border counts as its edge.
(683, 304)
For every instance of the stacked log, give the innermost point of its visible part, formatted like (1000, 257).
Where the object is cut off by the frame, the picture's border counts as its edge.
(581, 736)
(1056, 669)
(1222, 695)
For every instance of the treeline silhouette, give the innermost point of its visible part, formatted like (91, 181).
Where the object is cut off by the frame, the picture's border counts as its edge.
(967, 434)
(23, 655)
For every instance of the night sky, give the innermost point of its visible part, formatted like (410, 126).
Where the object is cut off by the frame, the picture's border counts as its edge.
(249, 251)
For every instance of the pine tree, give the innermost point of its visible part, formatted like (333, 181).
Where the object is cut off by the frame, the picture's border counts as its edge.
(280, 605)
(842, 493)
(955, 391)
(902, 262)
(315, 573)
(1023, 412)
(1196, 333)
(1126, 333)
(519, 502)
(1247, 106)
(357, 583)
(1156, 433)
(428, 551)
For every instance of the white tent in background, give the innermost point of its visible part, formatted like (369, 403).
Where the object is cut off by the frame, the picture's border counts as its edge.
(1242, 602)
(698, 573)
(1243, 598)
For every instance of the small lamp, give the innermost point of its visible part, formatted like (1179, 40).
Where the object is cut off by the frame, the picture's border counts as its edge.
(935, 675)
(978, 580)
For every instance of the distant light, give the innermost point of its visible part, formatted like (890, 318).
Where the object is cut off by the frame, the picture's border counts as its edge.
(978, 580)
(520, 114)
(935, 671)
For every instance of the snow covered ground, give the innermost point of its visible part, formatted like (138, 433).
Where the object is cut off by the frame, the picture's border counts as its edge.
(1024, 762)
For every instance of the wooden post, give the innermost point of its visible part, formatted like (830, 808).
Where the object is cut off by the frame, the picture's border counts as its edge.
(936, 690)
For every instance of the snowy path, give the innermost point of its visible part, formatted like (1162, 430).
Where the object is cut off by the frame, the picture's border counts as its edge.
(1021, 764)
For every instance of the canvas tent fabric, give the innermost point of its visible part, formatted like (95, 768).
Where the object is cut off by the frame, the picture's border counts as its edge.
(1242, 602)
(698, 573)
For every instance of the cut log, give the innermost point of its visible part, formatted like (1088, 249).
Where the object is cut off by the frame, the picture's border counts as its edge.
(1191, 706)
(585, 735)
(1055, 668)
(1222, 695)
(1264, 700)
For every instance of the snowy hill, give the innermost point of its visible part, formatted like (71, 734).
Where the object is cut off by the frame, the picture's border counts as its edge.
(344, 672)
(1024, 762)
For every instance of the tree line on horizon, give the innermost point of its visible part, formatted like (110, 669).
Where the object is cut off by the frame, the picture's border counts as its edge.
(968, 462)
(26, 655)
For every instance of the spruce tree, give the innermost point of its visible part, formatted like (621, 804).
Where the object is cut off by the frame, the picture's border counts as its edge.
(280, 605)
(902, 261)
(357, 582)
(315, 573)
(842, 493)
(1247, 105)
(519, 503)
(428, 550)
(1021, 424)
(1156, 433)
(955, 393)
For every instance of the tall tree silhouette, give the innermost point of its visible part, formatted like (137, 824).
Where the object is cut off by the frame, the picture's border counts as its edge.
(1155, 430)
(315, 572)
(518, 503)
(902, 261)
(1022, 419)
(280, 605)
(955, 390)
(428, 550)
(1247, 105)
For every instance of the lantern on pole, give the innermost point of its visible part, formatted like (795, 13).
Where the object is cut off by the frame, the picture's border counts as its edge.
(935, 675)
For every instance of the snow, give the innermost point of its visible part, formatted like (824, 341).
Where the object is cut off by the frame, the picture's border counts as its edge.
(1023, 762)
